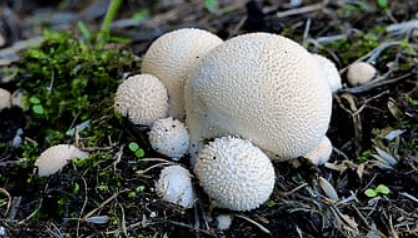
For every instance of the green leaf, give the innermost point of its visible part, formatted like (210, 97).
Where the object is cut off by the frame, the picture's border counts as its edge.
(370, 193)
(383, 189)
(133, 146)
(139, 153)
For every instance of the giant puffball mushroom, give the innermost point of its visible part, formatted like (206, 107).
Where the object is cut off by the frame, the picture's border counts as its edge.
(330, 72)
(360, 73)
(235, 174)
(321, 153)
(175, 186)
(142, 98)
(169, 137)
(171, 57)
(262, 87)
(55, 158)
(5, 99)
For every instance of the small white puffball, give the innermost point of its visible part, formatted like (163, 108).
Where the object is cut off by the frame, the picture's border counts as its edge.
(169, 137)
(360, 73)
(175, 186)
(321, 153)
(5, 99)
(224, 221)
(55, 158)
(235, 174)
(142, 98)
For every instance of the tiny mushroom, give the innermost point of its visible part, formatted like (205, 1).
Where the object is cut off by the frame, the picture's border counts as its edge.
(321, 153)
(235, 174)
(55, 158)
(142, 98)
(5, 99)
(262, 87)
(360, 73)
(171, 57)
(330, 72)
(175, 186)
(169, 137)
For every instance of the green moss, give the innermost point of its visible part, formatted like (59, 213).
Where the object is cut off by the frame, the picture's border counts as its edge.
(71, 82)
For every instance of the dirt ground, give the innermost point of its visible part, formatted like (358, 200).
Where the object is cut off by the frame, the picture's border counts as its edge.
(373, 129)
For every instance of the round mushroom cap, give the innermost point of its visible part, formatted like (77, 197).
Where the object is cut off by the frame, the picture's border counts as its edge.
(235, 174)
(321, 153)
(360, 73)
(262, 87)
(171, 57)
(55, 158)
(142, 98)
(175, 186)
(5, 99)
(169, 137)
(330, 71)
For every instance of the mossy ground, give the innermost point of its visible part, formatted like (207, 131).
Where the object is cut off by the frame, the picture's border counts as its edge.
(68, 83)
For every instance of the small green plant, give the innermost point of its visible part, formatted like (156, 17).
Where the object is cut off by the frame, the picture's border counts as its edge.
(382, 4)
(381, 189)
(134, 147)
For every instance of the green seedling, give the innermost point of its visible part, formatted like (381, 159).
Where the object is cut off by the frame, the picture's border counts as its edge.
(104, 33)
(381, 189)
(134, 147)
(139, 153)
(371, 193)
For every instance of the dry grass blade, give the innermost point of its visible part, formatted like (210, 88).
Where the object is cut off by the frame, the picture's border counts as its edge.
(328, 189)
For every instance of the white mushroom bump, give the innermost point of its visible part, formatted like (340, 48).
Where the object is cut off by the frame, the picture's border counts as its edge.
(169, 137)
(171, 57)
(55, 158)
(360, 73)
(262, 87)
(321, 153)
(175, 186)
(235, 174)
(5, 99)
(142, 98)
(330, 72)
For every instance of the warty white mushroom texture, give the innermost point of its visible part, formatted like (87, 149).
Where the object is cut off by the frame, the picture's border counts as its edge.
(55, 158)
(171, 57)
(262, 87)
(321, 153)
(142, 98)
(330, 72)
(235, 174)
(175, 186)
(169, 137)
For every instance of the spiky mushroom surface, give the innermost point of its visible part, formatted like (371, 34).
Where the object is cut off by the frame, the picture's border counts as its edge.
(142, 98)
(169, 137)
(171, 58)
(262, 87)
(235, 174)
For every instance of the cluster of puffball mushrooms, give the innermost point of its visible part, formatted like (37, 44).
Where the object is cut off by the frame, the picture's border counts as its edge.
(260, 96)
